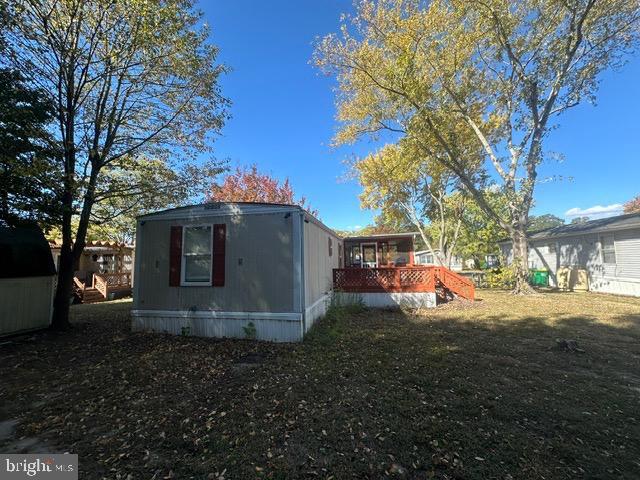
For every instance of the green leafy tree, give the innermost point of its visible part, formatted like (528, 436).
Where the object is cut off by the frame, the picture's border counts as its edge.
(144, 186)
(445, 71)
(412, 190)
(389, 221)
(28, 169)
(543, 222)
(480, 233)
(130, 80)
(140, 186)
(579, 220)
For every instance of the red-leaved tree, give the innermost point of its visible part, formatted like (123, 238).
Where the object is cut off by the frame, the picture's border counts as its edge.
(247, 184)
(633, 205)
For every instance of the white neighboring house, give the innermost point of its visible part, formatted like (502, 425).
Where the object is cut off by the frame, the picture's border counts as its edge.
(608, 249)
(425, 257)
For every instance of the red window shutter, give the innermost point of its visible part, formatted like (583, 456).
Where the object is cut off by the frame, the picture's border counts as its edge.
(219, 240)
(175, 256)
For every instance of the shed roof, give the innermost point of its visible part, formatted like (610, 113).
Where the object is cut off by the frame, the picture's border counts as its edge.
(24, 252)
(620, 222)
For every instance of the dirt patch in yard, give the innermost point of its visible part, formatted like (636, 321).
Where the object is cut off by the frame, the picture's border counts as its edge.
(468, 391)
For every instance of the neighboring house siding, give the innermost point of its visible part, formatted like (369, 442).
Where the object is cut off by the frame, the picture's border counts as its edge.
(318, 269)
(507, 253)
(544, 255)
(258, 266)
(456, 264)
(586, 252)
(426, 258)
(627, 246)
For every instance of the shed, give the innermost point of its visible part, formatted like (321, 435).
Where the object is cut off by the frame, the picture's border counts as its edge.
(608, 249)
(233, 270)
(27, 279)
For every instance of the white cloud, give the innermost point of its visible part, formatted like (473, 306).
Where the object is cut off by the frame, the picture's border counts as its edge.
(597, 211)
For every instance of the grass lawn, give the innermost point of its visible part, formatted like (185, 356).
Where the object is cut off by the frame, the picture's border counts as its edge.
(463, 391)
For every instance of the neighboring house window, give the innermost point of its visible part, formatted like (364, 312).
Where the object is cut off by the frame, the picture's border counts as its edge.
(330, 247)
(608, 249)
(196, 255)
(429, 259)
(551, 248)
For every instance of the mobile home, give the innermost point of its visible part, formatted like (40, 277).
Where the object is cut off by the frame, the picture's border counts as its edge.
(233, 270)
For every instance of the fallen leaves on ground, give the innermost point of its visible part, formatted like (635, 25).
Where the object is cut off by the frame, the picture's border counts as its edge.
(467, 391)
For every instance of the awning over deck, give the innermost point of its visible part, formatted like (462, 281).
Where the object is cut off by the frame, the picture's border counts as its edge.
(383, 250)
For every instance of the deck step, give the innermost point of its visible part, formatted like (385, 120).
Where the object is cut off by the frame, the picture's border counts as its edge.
(92, 295)
(115, 284)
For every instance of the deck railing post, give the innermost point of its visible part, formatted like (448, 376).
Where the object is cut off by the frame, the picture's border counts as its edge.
(402, 279)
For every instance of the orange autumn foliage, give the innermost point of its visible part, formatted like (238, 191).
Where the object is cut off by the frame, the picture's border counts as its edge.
(633, 205)
(247, 184)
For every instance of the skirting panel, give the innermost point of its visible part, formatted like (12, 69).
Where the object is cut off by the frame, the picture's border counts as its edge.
(394, 300)
(616, 286)
(274, 327)
(316, 311)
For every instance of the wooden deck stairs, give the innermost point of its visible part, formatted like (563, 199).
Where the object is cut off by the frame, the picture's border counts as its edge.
(444, 282)
(91, 295)
(102, 286)
(450, 284)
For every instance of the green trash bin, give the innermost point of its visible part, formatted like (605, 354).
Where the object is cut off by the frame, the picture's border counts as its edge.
(539, 278)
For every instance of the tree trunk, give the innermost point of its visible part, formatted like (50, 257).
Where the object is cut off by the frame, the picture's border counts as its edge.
(521, 261)
(64, 287)
(64, 290)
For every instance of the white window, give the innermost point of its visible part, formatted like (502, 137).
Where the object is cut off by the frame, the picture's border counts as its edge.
(196, 255)
(608, 249)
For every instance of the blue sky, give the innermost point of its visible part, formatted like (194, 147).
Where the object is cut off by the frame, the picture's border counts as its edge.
(283, 116)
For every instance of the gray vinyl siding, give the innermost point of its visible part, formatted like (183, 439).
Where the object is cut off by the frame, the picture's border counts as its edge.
(258, 266)
(506, 252)
(318, 265)
(422, 257)
(627, 245)
(544, 255)
(585, 252)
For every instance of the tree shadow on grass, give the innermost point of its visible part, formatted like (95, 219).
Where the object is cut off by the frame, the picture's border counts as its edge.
(495, 392)
(475, 393)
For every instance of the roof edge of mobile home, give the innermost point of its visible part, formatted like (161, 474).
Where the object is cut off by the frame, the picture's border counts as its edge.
(214, 209)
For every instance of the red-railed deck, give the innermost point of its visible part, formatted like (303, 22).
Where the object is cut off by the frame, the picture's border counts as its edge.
(402, 280)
